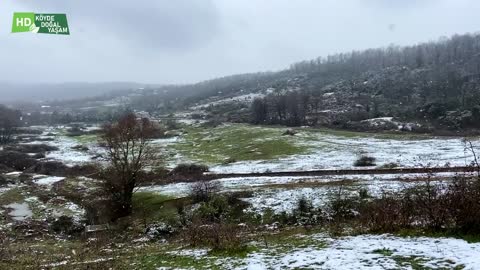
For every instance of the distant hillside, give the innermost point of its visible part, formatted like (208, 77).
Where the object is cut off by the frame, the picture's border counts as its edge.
(44, 92)
(436, 83)
(433, 84)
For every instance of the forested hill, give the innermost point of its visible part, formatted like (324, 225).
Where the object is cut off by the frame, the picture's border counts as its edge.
(436, 82)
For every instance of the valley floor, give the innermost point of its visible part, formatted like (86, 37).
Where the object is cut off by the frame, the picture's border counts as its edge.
(237, 149)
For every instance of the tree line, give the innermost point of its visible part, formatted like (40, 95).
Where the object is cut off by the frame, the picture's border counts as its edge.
(436, 81)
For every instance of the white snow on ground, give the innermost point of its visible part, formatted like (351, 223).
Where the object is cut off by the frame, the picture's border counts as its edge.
(92, 128)
(165, 141)
(4, 189)
(247, 98)
(360, 252)
(378, 182)
(338, 152)
(69, 156)
(20, 211)
(13, 174)
(268, 192)
(175, 190)
(49, 180)
(191, 122)
(77, 211)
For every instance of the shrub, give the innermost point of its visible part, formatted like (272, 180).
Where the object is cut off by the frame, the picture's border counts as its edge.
(5, 169)
(289, 132)
(80, 147)
(16, 160)
(306, 214)
(363, 193)
(436, 207)
(159, 231)
(304, 205)
(385, 214)
(189, 170)
(49, 168)
(75, 132)
(66, 225)
(218, 236)
(342, 206)
(365, 161)
(216, 209)
(464, 198)
(3, 181)
(31, 148)
(204, 191)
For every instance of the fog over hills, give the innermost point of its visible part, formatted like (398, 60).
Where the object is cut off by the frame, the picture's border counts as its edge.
(72, 90)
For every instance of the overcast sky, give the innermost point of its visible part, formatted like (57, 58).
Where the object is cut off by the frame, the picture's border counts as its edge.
(183, 41)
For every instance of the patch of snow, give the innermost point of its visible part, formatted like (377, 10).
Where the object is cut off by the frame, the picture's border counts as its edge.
(20, 211)
(70, 156)
(247, 98)
(13, 174)
(282, 193)
(386, 119)
(49, 180)
(166, 141)
(360, 252)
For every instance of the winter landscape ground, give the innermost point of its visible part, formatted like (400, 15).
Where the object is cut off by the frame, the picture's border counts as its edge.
(29, 199)
(365, 155)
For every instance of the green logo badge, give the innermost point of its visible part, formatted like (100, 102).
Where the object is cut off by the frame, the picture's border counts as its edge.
(40, 23)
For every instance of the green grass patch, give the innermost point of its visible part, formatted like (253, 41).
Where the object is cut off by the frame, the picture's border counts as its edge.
(154, 206)
(240, 252)
(418, 263)
(86, 139)
(236, 143)
(383, 251)
(287, 241)
(12, 196)
(177, 262)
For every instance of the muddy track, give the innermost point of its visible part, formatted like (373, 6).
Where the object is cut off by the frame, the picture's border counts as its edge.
(351, 172)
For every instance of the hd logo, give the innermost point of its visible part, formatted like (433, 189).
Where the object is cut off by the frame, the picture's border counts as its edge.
(40, 23)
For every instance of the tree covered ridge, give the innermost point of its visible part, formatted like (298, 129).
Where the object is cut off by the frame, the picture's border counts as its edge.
(436, 82)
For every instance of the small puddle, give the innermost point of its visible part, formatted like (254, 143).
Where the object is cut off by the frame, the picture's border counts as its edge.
(20, 211)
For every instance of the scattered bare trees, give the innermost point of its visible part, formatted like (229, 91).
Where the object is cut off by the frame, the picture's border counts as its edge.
(129, 152)
(289, 108)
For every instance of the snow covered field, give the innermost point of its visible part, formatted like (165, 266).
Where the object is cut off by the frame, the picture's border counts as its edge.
(71, 156)
(356, 252)
(340, 152)
(282, 193)
(325, 151)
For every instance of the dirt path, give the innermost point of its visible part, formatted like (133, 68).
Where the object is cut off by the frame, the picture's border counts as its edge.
(462, 169)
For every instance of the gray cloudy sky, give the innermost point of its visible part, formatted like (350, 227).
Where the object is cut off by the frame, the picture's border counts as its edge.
(182, 41)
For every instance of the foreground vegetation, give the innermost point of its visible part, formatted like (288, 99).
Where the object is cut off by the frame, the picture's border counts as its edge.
(210, 227)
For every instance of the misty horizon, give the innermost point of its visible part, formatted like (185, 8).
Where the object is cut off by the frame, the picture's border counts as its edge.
(185, 42)
(160, 84)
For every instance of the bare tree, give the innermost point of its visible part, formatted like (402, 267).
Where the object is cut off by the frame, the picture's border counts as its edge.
(259, 111)
(129, 153)
(9, 121)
